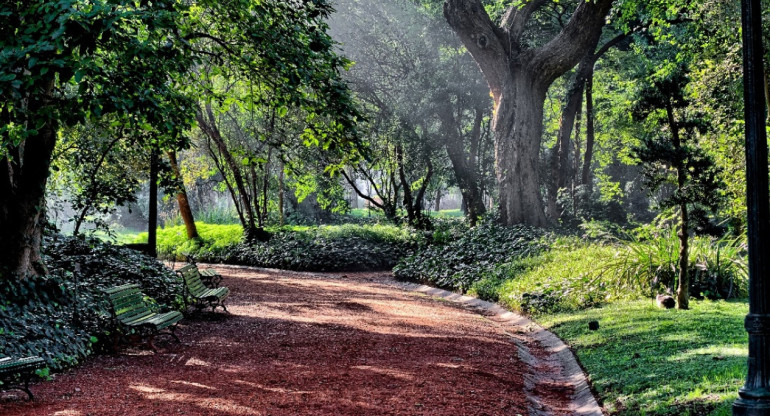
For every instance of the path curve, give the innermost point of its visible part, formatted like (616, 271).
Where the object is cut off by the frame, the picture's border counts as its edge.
(323, 344)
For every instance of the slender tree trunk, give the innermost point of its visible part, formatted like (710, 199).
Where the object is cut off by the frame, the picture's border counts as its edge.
(683, 289)
(23, 177)
(437, 202)
(265, 187)
(210, 129)
(181, 199)
(464, 164)
(280, 193)
(573, 170)
(152, 227)
(585, 177)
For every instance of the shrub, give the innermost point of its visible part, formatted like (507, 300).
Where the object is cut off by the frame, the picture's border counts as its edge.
(717, 268)
(467, 258)
(346, 247)
(61, 317)
(330, 248)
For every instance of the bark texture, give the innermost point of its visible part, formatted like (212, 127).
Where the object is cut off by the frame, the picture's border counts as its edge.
(518, 78)
(23, 178)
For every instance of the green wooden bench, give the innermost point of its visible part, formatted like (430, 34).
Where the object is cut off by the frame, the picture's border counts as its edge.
(210, 277)
(197, 294)
(135, 317)
(15, 373)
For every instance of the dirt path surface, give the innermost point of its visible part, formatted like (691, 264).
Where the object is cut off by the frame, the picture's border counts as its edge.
(309, 344)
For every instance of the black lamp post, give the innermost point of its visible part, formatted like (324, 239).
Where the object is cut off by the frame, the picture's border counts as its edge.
(755, 395)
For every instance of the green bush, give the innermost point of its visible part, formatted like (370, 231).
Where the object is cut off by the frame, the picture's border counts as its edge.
(467, 258)
(330, 248)
(346, 247)
(569, 276)
(717, 270)
(62, 317)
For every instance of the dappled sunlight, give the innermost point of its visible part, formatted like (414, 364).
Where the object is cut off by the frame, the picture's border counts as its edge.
(712, 352)
(272, 389)
(144, 388)
(189, 383)
(68, 412)
(196, 361)
(402, 375)
(208, 403)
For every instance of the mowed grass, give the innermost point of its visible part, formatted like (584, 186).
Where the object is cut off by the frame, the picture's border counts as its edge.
(649, 361)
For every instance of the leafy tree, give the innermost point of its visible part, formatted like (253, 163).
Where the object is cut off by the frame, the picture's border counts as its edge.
(98, 167)
(67, 61)
(673, 158)
(520, 63)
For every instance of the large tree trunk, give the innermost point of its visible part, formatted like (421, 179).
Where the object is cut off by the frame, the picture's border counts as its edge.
(518, 126)
(518, 79)
(182, 201)
(23, 178)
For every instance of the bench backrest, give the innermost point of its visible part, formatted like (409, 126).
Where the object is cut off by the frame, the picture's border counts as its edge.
(128, 302)
(192, 279)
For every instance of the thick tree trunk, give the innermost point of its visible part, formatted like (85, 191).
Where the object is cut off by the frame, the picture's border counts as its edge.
(23, 178)
(518, 79)
(518, 126)
(182, 201)
(437, 201)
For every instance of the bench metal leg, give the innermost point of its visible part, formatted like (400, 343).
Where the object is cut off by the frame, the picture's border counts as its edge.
(24, 388)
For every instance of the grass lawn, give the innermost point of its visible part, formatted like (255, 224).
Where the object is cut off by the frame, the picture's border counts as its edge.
(648, 361)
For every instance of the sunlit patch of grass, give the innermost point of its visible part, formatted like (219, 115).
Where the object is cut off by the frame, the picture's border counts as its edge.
(649, 361)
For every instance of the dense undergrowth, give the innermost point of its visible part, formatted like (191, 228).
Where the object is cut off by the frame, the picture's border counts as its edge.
(536, 272)
(321, 248)
(63, 317)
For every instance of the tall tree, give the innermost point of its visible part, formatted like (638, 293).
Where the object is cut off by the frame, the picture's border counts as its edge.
(519, 74)
(70, 60)
(675, 159)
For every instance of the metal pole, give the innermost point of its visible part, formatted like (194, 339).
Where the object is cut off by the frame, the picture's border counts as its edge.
(755, 395)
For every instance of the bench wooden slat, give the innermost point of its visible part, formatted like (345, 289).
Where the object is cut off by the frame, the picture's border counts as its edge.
(197, 293)
(131, 310)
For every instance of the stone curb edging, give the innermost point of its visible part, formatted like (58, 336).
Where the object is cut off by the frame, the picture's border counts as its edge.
(583, 401)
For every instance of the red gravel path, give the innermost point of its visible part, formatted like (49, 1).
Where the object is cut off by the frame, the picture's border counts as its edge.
(299, 344)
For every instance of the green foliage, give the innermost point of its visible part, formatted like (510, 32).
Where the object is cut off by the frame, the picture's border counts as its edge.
(460, 262)
(717, 267)
(649, 361)
(215, 241)
(566, 277)
(529, 272)
(317, 248)
(63, 317)
(331, 248)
